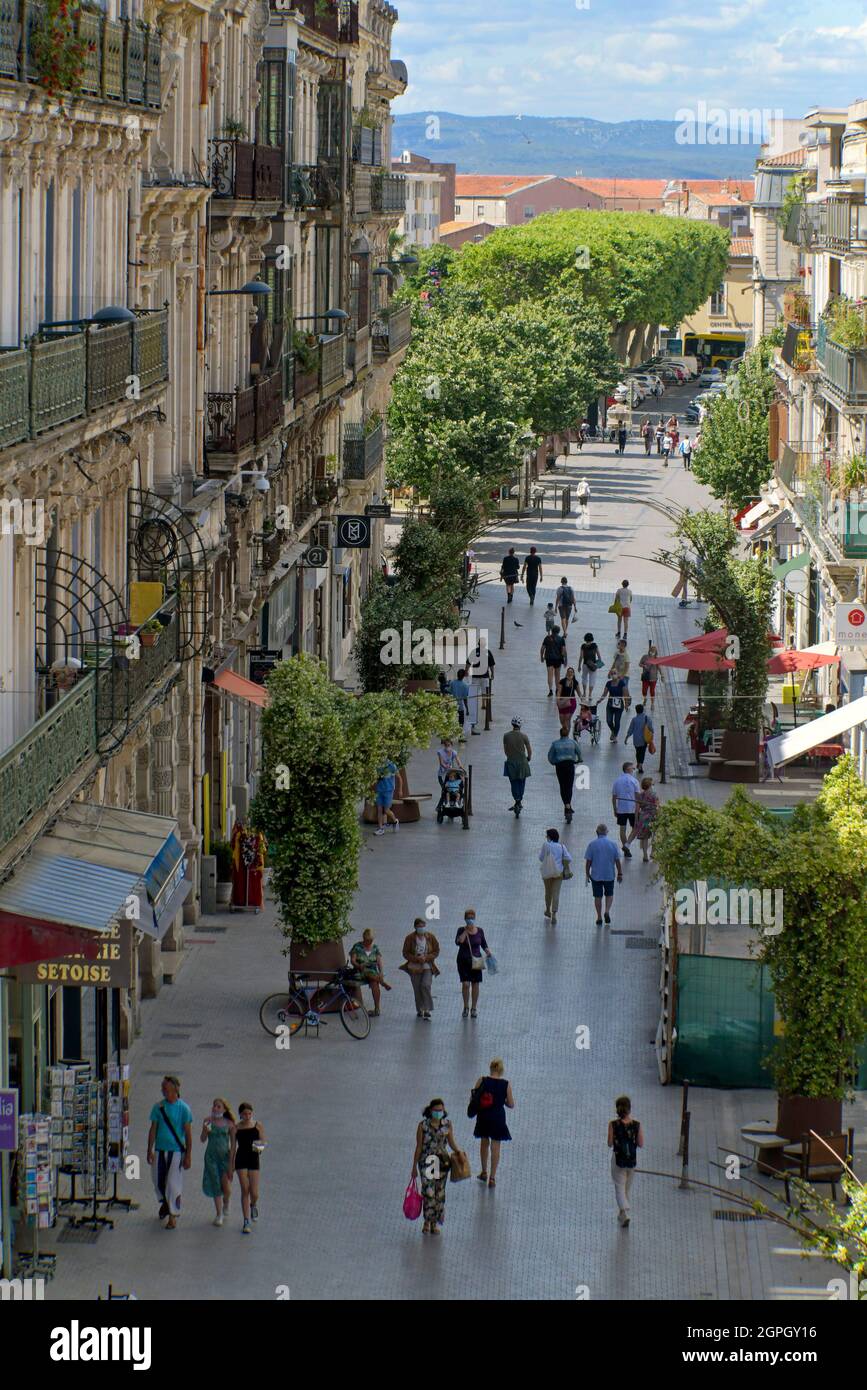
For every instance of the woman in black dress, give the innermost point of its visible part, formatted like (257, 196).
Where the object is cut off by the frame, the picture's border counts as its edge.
(472, 950)
(491, 1095)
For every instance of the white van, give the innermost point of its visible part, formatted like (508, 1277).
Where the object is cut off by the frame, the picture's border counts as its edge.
(690, 363)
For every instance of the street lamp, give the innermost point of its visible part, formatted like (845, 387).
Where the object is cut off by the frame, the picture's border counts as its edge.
(253, 287)
(336, 316)
(112, 313)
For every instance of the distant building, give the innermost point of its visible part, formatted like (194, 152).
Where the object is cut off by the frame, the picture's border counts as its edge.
(455, 234)
(776, 261)
(411, 163)
(725, 201)
(722, 328)
(420, 223)
(625, 195)
(509, 200)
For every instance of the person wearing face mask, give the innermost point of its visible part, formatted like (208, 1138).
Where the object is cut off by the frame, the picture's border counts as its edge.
(218, 1132)
(472, 950)
(432, 1140)
(420, 951)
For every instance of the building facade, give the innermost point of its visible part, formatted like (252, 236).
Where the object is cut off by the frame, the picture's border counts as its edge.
(512, 200)
(420, 224)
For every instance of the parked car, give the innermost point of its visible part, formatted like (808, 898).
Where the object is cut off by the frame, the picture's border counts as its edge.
(689, 363)
(709, 376)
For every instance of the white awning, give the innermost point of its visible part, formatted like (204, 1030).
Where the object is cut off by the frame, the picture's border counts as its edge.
(772, 521)
(751, 517)
(826, 729)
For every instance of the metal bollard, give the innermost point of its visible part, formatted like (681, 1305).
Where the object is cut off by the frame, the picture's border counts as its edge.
(663, 746)
(469, 789)
(684, 1179)
(684, 1102)
(502, 628)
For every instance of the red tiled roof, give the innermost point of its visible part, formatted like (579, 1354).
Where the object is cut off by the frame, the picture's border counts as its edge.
(628, 188)
(741, 246)
(745, 188)
(784, 161)
(495, 185)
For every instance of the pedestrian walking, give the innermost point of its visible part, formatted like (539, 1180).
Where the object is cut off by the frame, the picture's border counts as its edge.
(564, 756)
(249, 1146)
(581, 436)
(531, 573)
(583, 497)
(647, 436)
(621, 664)
(550, 618)
(667, 446)
(624, 795)
(589, 662)
(448, 760)
(516, 747)
(509, 571)
(433, 1139)
(625, 1138)
(366, 959)
(682, 585)
(623, 607)
(566, 603)
(567, 699)
(617, 690)
(686, 452)
(602, 864)
(660, 435)
(622, 437)
(170, 1148)
(489, 1099)
(553, 653)
(420, 951)
(640, 735)
(473, 950)
(386, 776)
(554, 865)
(218, 1132)
(649, 673)
(646, 811)
(460, 691)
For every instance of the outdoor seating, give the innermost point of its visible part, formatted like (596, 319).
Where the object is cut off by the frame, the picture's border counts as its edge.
(815, 1164)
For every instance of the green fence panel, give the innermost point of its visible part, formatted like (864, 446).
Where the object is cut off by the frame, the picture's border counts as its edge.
(725, 1022)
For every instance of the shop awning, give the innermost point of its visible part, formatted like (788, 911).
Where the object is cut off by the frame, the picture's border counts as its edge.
(782, 515)
(798, 562)
(826, 729)
(234, 684)
(750, 517)
(55, 905)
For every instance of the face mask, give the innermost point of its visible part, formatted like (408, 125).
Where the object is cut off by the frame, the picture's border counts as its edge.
(217, 1114)
(419, 931)
(437, 1114)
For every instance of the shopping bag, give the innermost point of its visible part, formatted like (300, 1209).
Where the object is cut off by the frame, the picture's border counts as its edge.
(549, 867)
(651, 747)
(492, 965)
(412, 1201)
(459, 1165)
(616, 607)
(648, 735)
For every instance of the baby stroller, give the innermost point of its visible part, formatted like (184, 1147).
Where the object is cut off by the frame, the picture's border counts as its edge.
(453, 799)
(587, 720)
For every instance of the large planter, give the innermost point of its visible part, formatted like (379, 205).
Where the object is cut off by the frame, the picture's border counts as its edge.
(224, 893)
(327, 957)
(739, 754)
(414, 687)
(797, 1115)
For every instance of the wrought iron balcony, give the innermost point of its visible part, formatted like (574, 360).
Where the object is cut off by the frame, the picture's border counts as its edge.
(266, 546)
(835, 518)
(335, 19)
(51, 752)
(236, 419)
(305, 505)
(66, 373)
(367, 146)
(840, 222)
(358, 351)
(315, 185)
(332, 359)
(362, 450)
(844, 370)
(388, 191)
(244, 171)
(392, 333)
(120, 62)
(306, 378)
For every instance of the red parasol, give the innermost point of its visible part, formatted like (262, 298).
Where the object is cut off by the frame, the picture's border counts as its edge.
(716, 640)
(694, 660)
(784, 662)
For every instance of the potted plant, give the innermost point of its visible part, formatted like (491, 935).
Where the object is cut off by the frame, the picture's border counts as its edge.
(234, 130)
(305, 347)
(222, 852)
(149, 633)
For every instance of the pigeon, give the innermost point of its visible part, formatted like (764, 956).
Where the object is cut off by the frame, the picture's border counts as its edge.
(517, 624)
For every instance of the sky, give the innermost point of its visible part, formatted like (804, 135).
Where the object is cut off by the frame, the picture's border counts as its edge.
(618, 60)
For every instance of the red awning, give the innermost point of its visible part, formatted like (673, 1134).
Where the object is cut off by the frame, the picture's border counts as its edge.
(25, 940)
(244, 689)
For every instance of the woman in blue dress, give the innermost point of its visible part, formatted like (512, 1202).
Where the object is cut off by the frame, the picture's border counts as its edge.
(492, 1094)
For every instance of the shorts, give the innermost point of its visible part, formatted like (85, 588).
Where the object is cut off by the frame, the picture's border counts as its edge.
(384, 799)
(603, 887)
(648, 687)
(553, 665)
(564, 613)
(626, 612)
(625, 818)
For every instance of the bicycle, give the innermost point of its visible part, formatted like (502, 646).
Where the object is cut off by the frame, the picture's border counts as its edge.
(305, 1002)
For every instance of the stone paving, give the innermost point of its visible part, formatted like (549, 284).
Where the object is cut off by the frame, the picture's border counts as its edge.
(340, 1115)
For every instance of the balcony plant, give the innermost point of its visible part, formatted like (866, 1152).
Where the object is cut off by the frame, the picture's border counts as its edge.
(149, 633)
(234, 130)
(56, 51)
(305, 346)
(372, 423)
(222, 852)
(846, 322)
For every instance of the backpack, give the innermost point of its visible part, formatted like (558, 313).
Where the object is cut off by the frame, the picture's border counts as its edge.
(625, 1143)
(565, 596)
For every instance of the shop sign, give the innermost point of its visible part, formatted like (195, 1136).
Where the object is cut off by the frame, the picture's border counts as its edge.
(850, 625)
(112, 968)
(8, 1120)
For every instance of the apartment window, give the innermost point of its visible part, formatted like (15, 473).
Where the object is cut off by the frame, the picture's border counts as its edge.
(458, 210)
(529, 212)
(359, 292)
(271, 115)
(718, 300)
(480, 211)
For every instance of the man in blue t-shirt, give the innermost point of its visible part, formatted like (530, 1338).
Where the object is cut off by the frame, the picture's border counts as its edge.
(602, 864)
(386, 775)
(170, 1148)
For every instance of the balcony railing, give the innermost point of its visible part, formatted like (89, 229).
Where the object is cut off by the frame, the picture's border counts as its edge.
(358, 351)
(335, 19)
(122, 58)
(306, 380)
(367, 146)
(388, 192)
(844, 370)
(315, 185)
(244, 171)
(35, 767)
(332, 369)
(362, 451)
(839, 223)
(305, 505)
(829, 514)
(62, 375)
(236, 419)
(392, 334)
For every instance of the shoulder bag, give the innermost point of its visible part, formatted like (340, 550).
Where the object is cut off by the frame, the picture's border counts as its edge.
(174, 1133)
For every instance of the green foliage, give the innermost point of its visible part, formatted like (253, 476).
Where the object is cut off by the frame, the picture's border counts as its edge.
(846, 320)
(428, 559)
(457, 510)
(222, 852)
(733, 460)
(332, 744)
(818, 963)
(796, 190)
(389, 606)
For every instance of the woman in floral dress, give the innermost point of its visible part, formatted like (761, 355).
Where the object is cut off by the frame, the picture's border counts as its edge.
(646, 810)
(432, 1140)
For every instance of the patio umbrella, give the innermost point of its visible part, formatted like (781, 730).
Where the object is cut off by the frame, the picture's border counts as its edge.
(696, 660)
(785, 662)
(716, 640)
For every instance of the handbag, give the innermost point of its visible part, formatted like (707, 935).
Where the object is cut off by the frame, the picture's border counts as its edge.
(548, 867)
(567, 870)
(473, 1107)
(459, 1166)
(651, 747)
(412, 1202)
(492, 966)
(648, 735)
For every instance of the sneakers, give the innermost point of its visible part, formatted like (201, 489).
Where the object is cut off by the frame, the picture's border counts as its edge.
(553, 919)
(426, 1017)
(607, 919)
(395, 825)
(218, 1220)
(419, 1014)
(465, 1014)
(627, 852)
(245, 1229)
(254, 1211)
(473, 1013)
(613, 738)
(547, 913)
(623, 1218)
(550, 694)
(380, 831)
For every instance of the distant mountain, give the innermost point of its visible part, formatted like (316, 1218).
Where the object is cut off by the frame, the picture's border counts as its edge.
(567, 145)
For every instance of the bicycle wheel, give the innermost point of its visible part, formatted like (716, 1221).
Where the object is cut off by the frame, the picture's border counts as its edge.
(355, 1018)
(283, 1010)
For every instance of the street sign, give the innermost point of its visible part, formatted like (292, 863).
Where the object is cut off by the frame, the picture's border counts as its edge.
(850, 625)
(8, 1120)
(262, 663)
(377, 509)
(797, 581)
(353, 532)
(315, 557)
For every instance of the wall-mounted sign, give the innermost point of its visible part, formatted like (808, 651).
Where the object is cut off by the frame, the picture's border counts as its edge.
(111, 969)
(353, 532)
(315, 557)
(850, 625)
(377, 509)
(262, 662)
(8, 1120)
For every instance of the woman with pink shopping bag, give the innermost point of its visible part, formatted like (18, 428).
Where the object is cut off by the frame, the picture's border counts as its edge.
(433, 1139)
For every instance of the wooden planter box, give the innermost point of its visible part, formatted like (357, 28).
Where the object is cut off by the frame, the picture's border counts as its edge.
(328, 957)
(797, 1115)
(739, 758)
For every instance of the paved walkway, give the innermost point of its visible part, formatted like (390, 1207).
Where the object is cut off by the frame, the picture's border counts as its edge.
(341, 1115)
